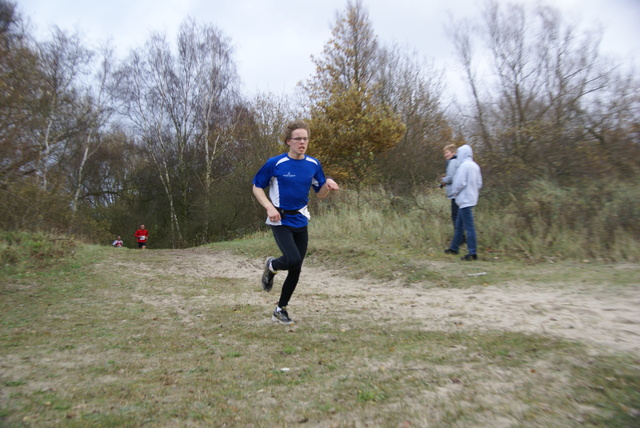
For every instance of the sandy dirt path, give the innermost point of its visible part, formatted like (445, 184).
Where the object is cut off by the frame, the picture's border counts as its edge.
(591, 314)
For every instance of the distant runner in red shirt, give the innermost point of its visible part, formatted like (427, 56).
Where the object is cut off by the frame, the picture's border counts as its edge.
(142, 234)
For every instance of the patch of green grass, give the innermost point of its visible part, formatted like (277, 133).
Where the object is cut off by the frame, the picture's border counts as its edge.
(370, 394)
(289, 350)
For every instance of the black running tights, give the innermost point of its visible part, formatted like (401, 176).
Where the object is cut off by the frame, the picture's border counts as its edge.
(293, 242)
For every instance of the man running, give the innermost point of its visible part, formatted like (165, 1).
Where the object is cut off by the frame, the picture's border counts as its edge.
(142, 235)
(289, 177)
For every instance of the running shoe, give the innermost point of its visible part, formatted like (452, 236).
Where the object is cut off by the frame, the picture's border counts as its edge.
(267, 276)
(281, 316)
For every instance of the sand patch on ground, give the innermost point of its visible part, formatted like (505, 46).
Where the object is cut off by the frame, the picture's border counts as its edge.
(590, 314)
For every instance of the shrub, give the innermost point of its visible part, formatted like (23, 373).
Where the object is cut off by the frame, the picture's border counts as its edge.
(18, 247)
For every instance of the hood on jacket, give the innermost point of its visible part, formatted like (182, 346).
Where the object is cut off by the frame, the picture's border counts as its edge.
(465, 152)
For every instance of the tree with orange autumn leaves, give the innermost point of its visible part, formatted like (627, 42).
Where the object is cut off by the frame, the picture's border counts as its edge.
(350, 127)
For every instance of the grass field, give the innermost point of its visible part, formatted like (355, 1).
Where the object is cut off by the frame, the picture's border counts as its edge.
(111, 338)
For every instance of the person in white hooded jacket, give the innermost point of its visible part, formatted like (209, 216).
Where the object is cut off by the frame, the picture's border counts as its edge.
(465, 189)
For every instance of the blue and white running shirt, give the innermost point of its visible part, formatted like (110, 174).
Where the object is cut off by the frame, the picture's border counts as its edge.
(289, 181)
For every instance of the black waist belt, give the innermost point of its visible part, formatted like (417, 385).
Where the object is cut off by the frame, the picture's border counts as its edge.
(287, 212)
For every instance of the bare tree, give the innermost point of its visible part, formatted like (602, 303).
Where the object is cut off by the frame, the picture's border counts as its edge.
(175, 102)
(19, 77)
(95, 109)
(532, 93)
(414, 90)
(209, 53)
(63, 62)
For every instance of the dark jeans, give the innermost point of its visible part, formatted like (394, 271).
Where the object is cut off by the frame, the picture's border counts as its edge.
(454, 217)
(293, 243)
(454, 211)
(464, 224)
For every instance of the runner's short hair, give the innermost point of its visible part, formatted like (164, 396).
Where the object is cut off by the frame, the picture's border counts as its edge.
(450, 147)
(292, 126)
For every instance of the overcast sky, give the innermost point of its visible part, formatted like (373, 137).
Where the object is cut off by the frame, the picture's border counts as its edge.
(274, 39)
